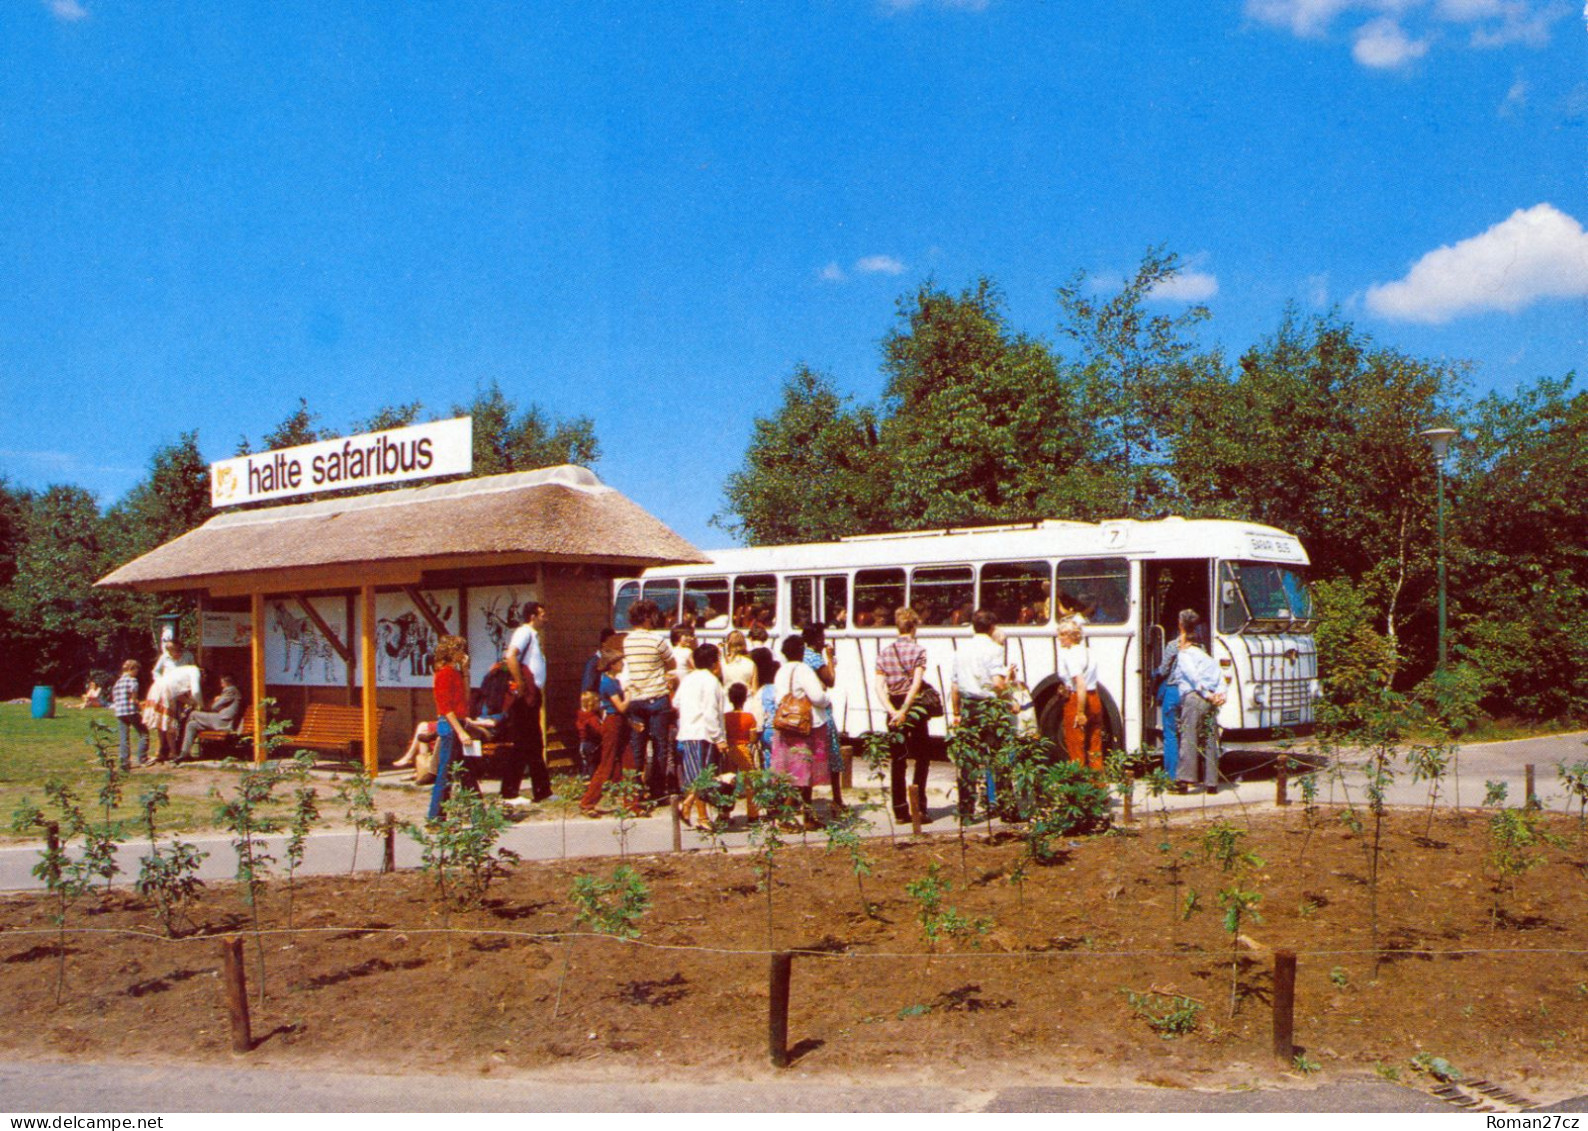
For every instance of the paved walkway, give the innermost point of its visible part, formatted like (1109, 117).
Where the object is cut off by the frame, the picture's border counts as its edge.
(338, 851)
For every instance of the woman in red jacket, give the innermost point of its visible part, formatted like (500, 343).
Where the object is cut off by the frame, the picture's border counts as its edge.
(452, 709)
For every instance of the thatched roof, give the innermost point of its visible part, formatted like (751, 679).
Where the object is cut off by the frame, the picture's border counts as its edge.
(555, 514)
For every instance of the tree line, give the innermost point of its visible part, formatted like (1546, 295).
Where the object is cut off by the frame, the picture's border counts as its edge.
(1313, 429)
(56, 628)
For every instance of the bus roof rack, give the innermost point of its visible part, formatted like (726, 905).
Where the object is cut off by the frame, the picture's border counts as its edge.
(996, 528)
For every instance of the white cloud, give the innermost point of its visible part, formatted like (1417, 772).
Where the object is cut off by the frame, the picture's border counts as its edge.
(1536, 253)
(1318, 290)
(879, 265)
(69, 10)
(1515, 100)
(1187, 286)
(1391, 33)
(832, 273)
(1383, 43)
(1310, 18)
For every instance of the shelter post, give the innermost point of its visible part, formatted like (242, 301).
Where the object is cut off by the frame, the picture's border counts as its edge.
(367, 659)
(256, 662)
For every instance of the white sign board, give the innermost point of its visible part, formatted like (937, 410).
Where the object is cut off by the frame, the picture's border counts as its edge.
(421, 451)
(225, 630)
(405, 644)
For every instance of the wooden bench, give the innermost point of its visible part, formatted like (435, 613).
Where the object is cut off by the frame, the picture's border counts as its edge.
(334, 728)
(228, 738)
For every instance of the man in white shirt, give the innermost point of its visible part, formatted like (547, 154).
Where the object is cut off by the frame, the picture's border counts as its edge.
(702, 733)
(526, 662)
(1201, 694)
(981, 675)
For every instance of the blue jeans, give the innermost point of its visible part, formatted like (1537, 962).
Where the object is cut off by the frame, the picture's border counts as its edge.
(653, 717)
(447, 749)
(1171, 728)
(126, 726)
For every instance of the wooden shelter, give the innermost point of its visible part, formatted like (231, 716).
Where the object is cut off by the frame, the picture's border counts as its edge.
(364, 585)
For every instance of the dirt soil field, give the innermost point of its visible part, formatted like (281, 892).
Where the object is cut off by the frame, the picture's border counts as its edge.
(371, 980)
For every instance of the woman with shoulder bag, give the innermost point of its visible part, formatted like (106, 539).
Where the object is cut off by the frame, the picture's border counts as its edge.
(799, 744)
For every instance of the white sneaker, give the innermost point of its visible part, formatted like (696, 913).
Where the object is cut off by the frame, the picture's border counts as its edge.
(517, 802)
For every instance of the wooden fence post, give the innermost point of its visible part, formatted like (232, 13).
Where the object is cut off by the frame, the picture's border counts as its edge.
(917, 809)
(1285, 1005)
(1128, 795)
(236, 993)
(1282, 780)
(388, 860)
(678, 824)
(777, 1015)
(1532, 795)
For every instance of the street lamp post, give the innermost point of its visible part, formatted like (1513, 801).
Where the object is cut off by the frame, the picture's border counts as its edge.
(1439, 440)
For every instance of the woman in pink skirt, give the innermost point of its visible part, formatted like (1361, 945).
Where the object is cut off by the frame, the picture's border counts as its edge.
(800, 757)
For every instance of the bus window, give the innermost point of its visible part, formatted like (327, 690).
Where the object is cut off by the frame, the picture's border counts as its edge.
(755, 601)
(943, 594)
(628, 593)
(878, 593)
(665, 594)
(1017, 592)
(824, 599)
(801, 600)
(708, 597)
(1097, 588)
(835, 601)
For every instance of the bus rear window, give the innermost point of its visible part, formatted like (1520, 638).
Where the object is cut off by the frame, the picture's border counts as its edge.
(943, 595)
(1097, 588)
(665, 594)
(1016, 592)
(628, 593)
(755, 600)
(878, 593)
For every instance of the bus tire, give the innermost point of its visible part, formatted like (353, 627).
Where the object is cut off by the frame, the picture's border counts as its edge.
(1050, 724)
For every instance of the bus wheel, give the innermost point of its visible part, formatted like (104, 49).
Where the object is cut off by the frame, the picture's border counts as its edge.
(1113, 724)
(1050, 724)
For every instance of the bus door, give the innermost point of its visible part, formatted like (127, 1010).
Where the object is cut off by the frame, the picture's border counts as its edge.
(1167, 588)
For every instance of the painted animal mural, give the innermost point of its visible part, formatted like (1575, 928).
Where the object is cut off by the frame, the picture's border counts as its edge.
(300, 632)
(502, 616)
(407, 642)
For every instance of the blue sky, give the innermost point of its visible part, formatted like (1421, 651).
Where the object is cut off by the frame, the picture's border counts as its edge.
(650, 216)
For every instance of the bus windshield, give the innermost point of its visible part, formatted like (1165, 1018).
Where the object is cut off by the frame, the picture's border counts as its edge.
(1256, 595)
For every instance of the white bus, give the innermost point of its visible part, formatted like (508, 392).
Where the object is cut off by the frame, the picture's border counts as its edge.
(1130, 579)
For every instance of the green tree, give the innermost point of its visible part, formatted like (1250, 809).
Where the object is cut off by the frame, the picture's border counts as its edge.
(173, 498)
(813, 471)
(1519, 578)
(1132, 368)
(54, 612)
(978, 421)
(507, 439)
(1317, 434)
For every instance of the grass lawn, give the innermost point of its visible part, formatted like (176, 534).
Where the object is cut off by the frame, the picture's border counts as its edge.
(36, 751)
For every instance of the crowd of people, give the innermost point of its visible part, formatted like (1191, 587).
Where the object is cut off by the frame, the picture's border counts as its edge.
(669, 713)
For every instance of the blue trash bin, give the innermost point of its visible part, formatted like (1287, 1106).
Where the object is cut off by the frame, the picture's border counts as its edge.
(43, 702)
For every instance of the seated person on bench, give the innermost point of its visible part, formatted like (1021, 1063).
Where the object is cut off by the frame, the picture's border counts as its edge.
(222, 715)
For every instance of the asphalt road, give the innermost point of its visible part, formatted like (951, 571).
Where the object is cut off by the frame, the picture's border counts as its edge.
(60, 1088)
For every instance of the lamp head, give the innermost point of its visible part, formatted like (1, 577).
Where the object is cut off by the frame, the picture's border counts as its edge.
(1439, 440)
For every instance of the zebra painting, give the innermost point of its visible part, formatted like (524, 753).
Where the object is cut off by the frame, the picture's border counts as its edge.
(300, 632)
